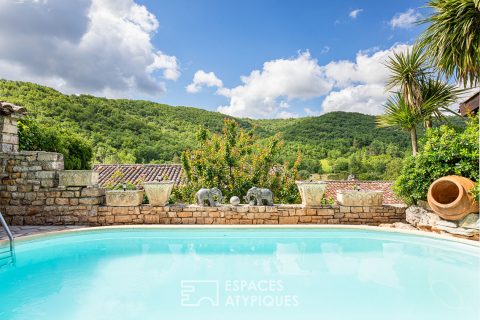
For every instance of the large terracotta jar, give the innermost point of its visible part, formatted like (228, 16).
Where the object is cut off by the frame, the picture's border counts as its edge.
(450, 199)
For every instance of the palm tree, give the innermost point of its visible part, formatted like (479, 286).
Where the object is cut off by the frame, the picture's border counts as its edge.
(452, 40)
(399, 114)
(408, 70)
(435, 97)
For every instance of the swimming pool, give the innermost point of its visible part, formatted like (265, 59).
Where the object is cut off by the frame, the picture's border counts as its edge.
(246, 273)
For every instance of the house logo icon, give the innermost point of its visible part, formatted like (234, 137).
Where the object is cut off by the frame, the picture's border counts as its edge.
(196, 293)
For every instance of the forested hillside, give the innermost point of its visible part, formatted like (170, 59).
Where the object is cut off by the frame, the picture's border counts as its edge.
(128, 131)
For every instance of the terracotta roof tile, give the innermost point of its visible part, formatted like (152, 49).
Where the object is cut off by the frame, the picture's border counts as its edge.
(136, 173)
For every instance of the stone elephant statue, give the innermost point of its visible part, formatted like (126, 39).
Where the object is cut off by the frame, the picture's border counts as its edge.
(260, 196)
(213, 196)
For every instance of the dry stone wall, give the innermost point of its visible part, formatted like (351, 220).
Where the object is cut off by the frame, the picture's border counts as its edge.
(30, 194)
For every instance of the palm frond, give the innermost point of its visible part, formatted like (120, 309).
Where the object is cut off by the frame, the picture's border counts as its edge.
(452, 39)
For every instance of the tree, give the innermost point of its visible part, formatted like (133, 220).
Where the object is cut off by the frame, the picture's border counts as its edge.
(408, 71)
(235, 161)
(452, 39)
(399, 114)
(445, 152)
(434, 96)
(34, 136)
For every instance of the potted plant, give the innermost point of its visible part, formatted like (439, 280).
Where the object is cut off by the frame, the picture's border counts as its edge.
(312, 192)
(158, 192)
(124, 195)
(360, 198)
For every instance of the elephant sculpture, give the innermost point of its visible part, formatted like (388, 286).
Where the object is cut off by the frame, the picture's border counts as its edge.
(213, 196)
(259, 197)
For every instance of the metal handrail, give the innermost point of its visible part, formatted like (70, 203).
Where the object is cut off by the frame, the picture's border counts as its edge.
(9, 233)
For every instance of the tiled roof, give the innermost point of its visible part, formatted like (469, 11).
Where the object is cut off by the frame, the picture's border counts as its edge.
(136, 173)
(386, 186)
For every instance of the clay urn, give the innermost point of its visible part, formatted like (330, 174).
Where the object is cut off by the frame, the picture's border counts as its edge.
(449, 197)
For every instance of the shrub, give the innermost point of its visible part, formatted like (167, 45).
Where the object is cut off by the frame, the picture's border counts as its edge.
(445, 152)
(34, 136)
(235, 161)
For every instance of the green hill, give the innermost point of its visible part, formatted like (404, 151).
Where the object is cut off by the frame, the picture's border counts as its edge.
(122, 130)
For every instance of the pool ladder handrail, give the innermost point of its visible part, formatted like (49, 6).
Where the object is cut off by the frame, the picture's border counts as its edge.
(10, 238)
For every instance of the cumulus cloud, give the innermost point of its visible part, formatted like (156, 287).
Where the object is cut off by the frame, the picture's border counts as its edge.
(203, 79)
(405, 19)
(359, 84)
(368, 67)
(96, 46)
(356, 86)
(354, 13)
(265, 93)
(363, 98)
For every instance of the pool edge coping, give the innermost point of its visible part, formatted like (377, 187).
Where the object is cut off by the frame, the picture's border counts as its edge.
(84, 229)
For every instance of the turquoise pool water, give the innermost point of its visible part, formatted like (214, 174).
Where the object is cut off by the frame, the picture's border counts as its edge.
(240, 274)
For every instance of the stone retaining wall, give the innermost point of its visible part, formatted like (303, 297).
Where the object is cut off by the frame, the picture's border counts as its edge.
(30, 194)
(97, 215)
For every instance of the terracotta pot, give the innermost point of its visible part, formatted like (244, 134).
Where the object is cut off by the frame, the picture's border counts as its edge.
(450, 199)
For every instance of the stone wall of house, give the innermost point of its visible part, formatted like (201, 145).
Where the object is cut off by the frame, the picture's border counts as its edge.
(99, 215)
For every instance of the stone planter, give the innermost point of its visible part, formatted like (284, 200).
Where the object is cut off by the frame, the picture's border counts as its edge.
(77, 178)
(158, 192)
(311, 192)
(363, 198)
(450, 199)
(121, 198)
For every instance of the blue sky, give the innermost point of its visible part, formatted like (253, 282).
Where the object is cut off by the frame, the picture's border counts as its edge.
(299, 57)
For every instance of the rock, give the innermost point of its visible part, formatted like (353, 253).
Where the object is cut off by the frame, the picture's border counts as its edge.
(456, 231)
(420, 217)
(445, 223)
(424, 205)
(470, 222)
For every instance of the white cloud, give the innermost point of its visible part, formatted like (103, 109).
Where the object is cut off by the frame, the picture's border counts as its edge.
(360, 84)
(368, 67)
(202, 79)
(311, 112)
(364, 98)
(264, 93)
(356, 86)
(354, 13)
(287, 115)
(95, 46)
(405, 19)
